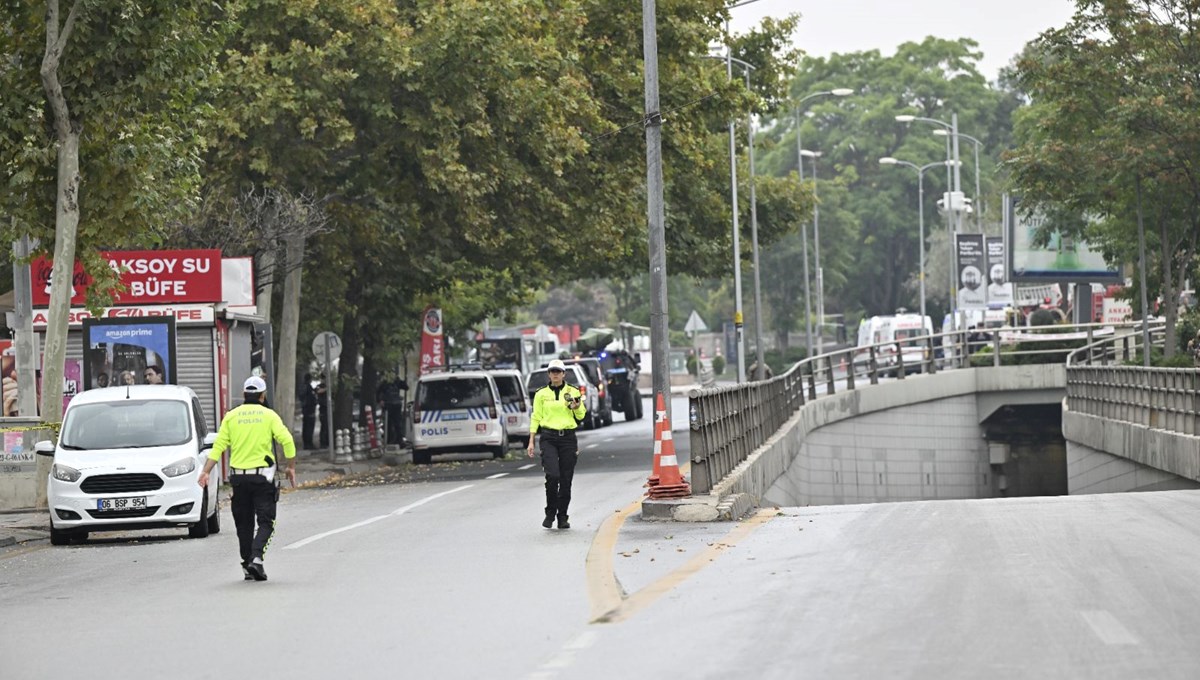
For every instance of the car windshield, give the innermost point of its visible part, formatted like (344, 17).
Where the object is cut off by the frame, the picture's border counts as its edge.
(539, 379)
(453, 393)
(126, 424)
(592, 370)
(510, 389)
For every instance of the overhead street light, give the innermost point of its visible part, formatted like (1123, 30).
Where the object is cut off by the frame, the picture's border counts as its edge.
(888, 160)
(836, 92)
(954, 222)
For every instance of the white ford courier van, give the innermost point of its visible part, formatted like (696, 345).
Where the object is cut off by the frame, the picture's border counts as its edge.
(457, 412)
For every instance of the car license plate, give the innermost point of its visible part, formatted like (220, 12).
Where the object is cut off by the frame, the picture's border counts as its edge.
(454, 416)
(137, 503)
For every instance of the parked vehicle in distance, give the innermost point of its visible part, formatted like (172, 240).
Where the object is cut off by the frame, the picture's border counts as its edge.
(574, 376)
(457, 411)
(595, 375)
(514, 403)
(128, 458)
(905, 329)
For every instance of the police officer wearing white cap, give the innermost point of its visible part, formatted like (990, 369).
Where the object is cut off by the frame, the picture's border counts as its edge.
(248, 431)
(557, 411)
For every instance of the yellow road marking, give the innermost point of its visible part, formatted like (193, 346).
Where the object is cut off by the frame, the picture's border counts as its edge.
(649, 594)
(604, 592)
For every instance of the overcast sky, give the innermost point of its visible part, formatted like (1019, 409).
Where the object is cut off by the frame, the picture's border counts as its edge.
(1001, 27)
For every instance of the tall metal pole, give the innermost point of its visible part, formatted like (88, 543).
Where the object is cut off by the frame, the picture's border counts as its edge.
(760, 372)
(329, 392)
(978, 199)
(808, 332)
(660, 346)
(953, 306)
(957, 169)
(817, 255)
(737, 252)
(921, 223)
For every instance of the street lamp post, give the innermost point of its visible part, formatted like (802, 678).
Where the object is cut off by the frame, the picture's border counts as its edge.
(808, 334)
(952, 178)
(920, 211)
(655, 212)
(814, 155)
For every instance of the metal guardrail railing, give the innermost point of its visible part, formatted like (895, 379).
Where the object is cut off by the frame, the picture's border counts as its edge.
(1106, 380)
(729, 423)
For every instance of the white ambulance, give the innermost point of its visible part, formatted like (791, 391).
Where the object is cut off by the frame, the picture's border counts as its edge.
(910, 330)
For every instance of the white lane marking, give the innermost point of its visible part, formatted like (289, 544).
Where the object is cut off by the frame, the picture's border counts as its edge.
(608, 440)
(312, 539)
(566, 657)
(525, 467)
(1108, 628)
(591, 446)
(498, 475)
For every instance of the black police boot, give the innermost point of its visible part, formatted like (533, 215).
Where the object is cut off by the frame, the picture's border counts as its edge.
(256, 570)
(563, 523)
(549, 521)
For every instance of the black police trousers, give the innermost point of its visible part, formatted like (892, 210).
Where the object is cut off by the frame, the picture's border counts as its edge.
(254, 498)
(559, 454)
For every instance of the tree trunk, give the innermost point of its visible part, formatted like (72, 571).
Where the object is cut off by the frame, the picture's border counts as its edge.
(267, 267)
(285, 365)
(343, 413)
(66, 228)
(1170, 309)
(370, 384)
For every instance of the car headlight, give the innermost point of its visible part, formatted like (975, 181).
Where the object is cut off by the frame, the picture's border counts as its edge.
(64, 473)
(180, 467)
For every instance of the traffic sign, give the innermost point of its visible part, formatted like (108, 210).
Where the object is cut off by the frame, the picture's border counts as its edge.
(695, 324)
(319, 345)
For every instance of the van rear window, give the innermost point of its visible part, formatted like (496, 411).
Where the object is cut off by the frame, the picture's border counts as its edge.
(510, 389)
(452, 393)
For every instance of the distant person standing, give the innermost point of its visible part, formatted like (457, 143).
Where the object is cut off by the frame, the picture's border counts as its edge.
(557, 411)
(308, 411)
(248, 432)
(322, 392)
(391, 396)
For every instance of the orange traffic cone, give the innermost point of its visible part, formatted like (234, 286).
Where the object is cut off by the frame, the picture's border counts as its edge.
(665, 479)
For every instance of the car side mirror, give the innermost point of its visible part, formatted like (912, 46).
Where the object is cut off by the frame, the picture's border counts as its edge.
(44, 448)
(209, 440)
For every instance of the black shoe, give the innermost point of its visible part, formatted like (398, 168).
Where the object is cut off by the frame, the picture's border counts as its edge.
(256, 571)
(548, 522)
(246, 576)
(563, 523)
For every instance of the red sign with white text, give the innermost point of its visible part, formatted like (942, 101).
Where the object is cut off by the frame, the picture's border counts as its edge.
(433, 352)
(149, 276)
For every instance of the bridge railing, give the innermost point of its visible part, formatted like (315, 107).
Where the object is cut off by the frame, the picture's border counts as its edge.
(1106, 379)
(730, 422)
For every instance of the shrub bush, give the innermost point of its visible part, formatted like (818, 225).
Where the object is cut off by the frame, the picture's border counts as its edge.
(719, 365)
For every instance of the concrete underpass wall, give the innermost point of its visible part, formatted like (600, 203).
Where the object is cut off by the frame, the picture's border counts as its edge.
(931, 450)
(760, 476)
(1106, 456)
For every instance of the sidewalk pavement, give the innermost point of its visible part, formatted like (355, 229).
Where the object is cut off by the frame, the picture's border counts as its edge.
(23, 526)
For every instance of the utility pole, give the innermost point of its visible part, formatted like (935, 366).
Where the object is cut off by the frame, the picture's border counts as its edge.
(660, 346)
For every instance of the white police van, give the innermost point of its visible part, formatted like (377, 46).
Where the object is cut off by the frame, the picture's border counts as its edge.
(514, 402)
(457, 411)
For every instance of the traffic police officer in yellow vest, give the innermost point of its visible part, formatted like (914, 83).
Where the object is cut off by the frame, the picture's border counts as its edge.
(557, 411)
(248, 431)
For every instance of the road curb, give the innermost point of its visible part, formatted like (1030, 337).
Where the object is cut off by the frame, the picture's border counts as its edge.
(6, 541)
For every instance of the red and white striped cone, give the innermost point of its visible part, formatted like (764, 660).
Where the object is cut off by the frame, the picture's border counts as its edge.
(666, 481)
(660, 418)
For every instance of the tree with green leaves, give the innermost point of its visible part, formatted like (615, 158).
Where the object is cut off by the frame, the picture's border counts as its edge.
(1113, 136)
(868, 213)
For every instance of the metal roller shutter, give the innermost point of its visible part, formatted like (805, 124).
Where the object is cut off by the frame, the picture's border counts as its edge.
(195, 350)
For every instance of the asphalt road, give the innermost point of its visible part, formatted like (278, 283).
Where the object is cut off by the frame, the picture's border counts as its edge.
(451, 576)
